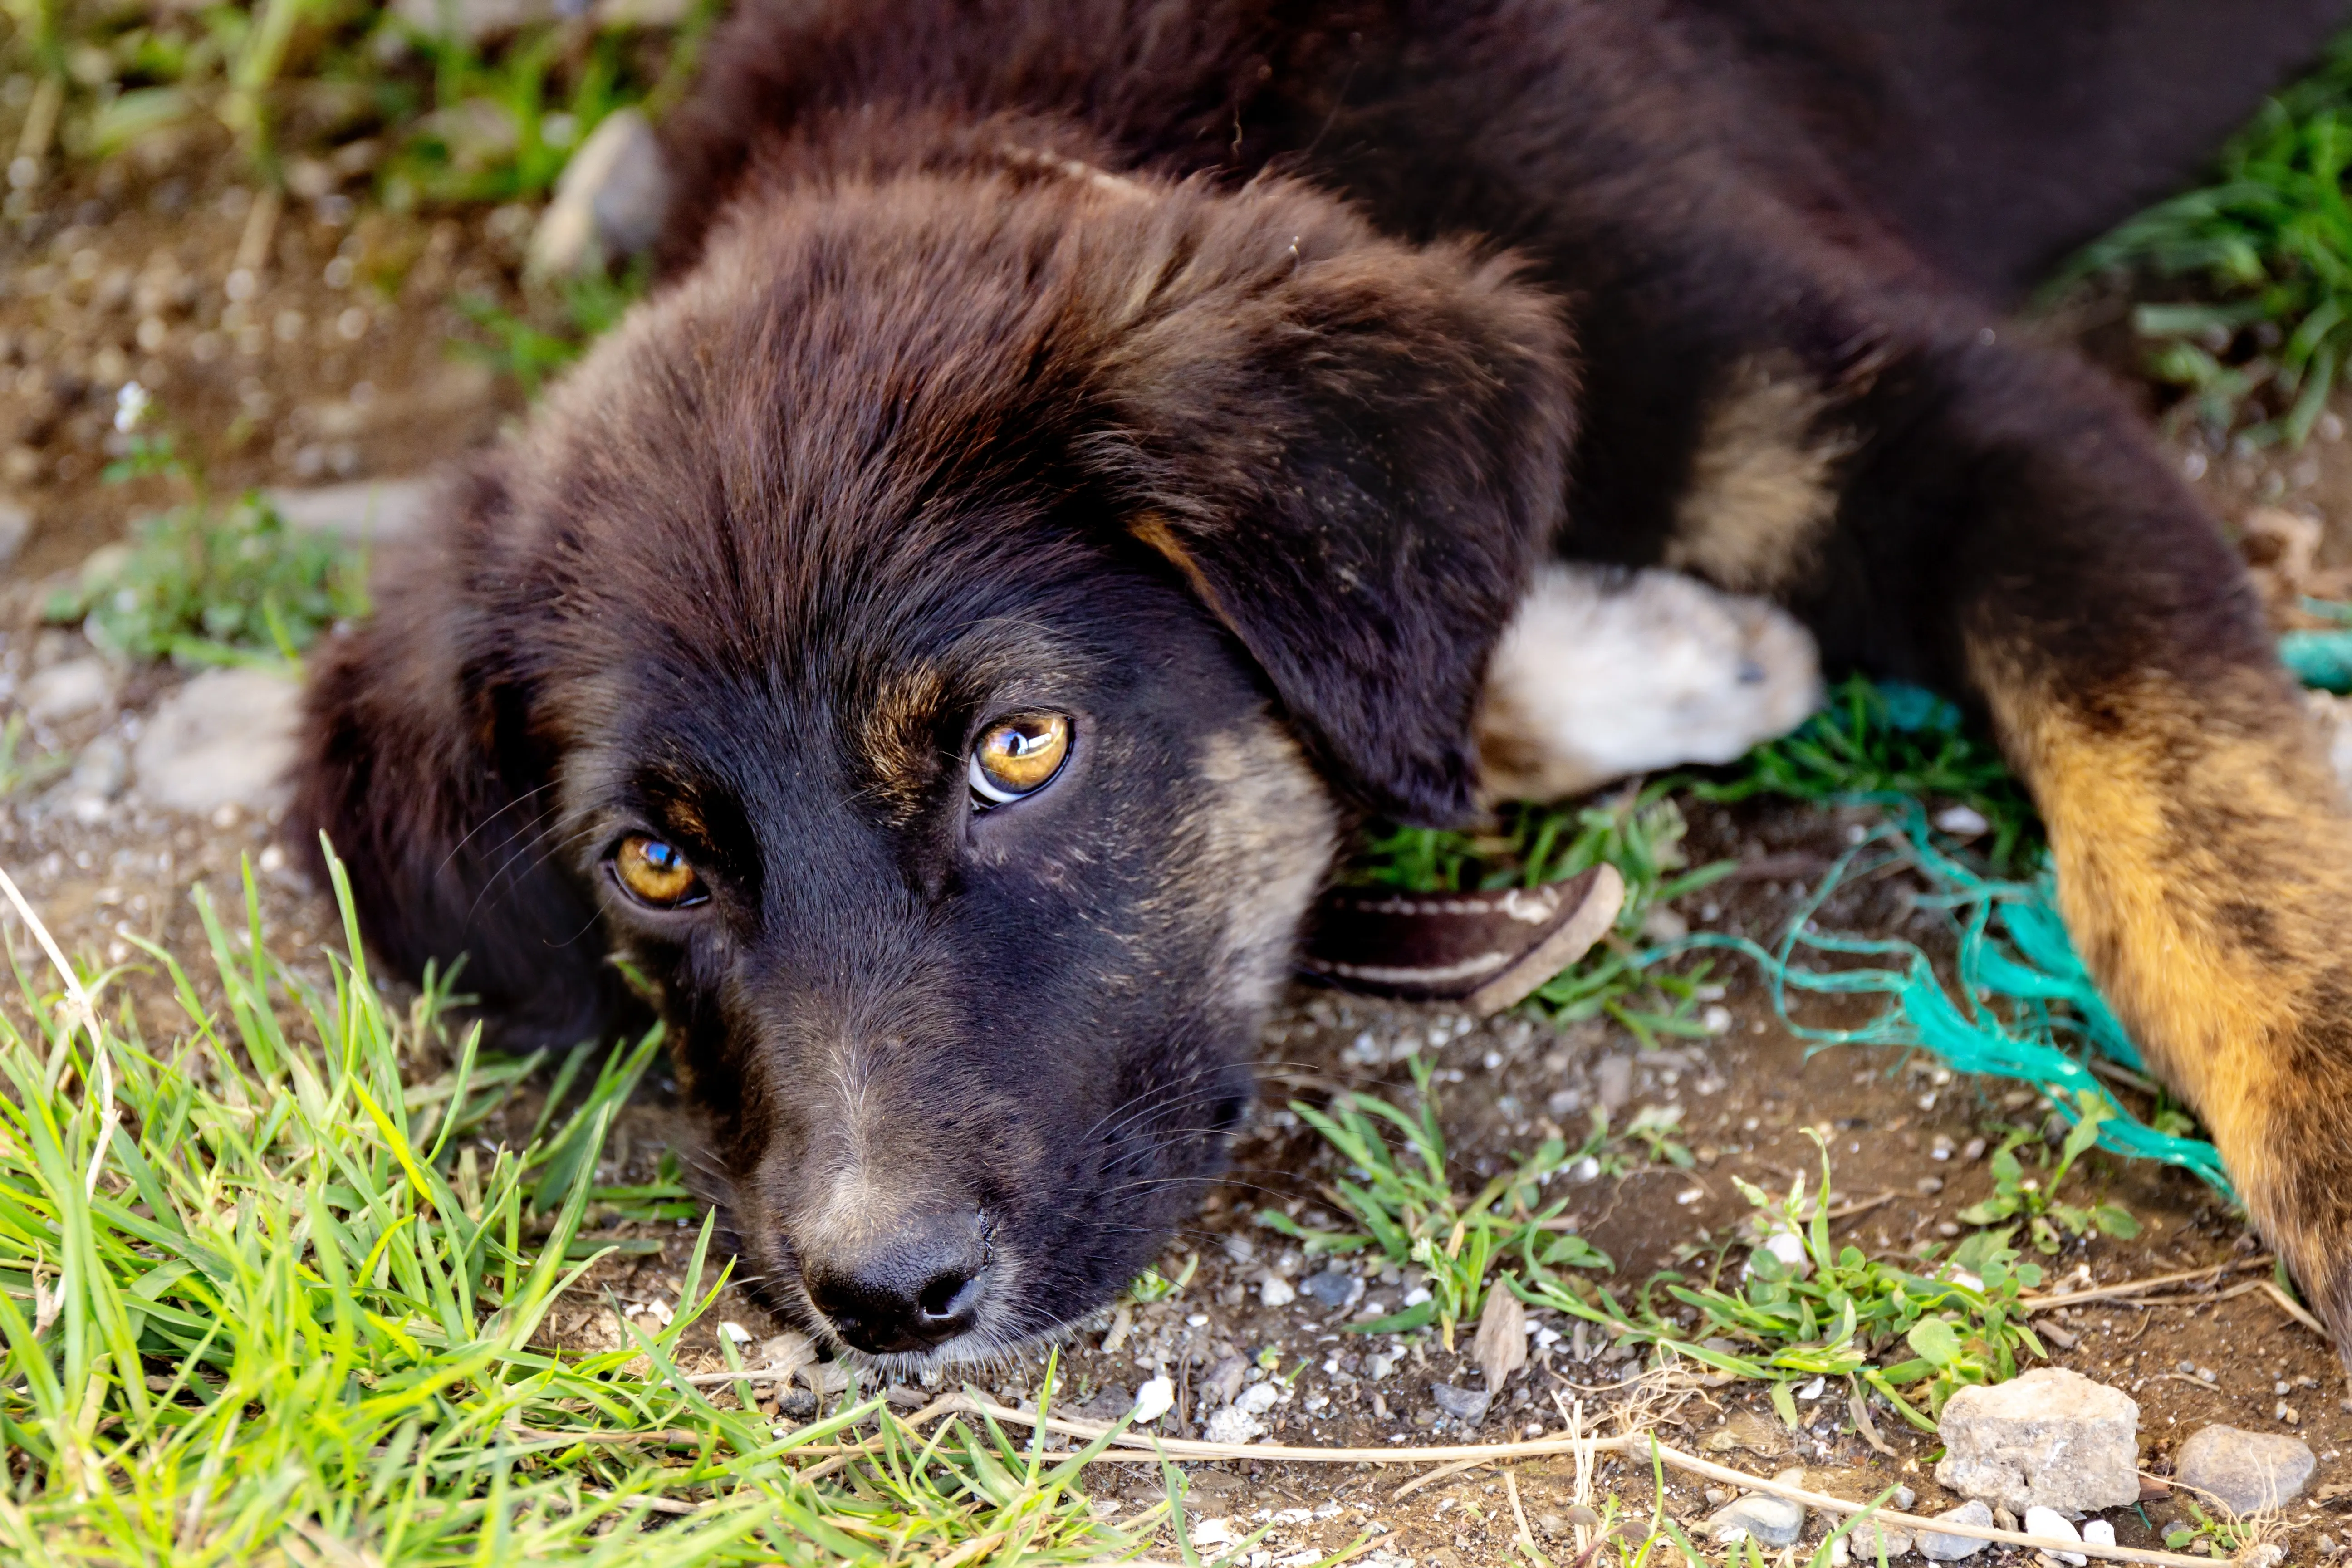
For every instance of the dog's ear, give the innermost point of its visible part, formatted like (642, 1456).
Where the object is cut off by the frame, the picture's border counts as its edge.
(1354, 451)
(416, 761)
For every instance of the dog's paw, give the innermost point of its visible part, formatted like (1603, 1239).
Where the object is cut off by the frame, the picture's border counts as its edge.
(1605, 673)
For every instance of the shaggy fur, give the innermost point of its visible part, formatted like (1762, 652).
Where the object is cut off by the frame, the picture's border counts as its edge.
(1214, 373)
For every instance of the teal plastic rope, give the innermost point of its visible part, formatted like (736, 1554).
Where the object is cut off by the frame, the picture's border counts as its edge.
(2012, 947)
(2025, 1009)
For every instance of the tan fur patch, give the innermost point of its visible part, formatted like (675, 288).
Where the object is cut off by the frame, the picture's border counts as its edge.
(2205, 869)
(1763, 482)
(1267, 831)
(898, 740)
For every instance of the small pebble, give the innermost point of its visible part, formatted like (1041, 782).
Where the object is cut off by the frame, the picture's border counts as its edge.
(2052, 1525)
(1768, 1521)
(1466, 1405)
(1955, 1548)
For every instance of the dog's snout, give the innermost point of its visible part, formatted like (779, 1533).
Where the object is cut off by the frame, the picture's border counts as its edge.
(913, 1288)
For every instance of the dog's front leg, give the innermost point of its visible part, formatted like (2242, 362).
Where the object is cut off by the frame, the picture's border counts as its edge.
(2002, 522)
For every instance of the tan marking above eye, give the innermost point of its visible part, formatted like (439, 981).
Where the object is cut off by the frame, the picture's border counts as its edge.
(1020, 756)
(654, 874)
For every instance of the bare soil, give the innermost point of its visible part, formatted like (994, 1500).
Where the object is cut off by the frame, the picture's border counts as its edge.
(337, 362)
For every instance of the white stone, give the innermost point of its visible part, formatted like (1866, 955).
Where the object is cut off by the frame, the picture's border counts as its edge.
(609, 203)
(1156, 1398)
(2098, 1533)
(2050, 1438)
(1232, 1424)
(1276, 1291)
(2052, 1525)
(69, 690)
(224, 739)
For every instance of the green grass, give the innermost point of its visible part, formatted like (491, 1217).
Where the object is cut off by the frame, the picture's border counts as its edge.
(2034, 1199)
(267, 1294)
(1834, 1313)
(569, 315)
(1404, 1198)
(1867, 740)
(2266, 246)
(204, 585)
(456, 123)
(1890, 740)
(1831, 1312)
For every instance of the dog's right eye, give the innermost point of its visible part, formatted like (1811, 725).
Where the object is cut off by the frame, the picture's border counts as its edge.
(656, 874)
(1019, 757)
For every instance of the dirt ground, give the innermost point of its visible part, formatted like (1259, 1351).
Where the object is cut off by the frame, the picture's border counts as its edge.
(316, 345)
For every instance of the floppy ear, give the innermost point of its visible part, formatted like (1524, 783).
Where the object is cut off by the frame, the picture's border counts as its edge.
(1355, 451)
(417, 762)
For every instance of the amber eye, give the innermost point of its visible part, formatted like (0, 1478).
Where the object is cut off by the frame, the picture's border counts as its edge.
(656, 874)
(1019, 757)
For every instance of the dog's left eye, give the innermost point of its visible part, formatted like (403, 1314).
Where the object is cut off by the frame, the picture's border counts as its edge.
(656, 874)
(1019, 757)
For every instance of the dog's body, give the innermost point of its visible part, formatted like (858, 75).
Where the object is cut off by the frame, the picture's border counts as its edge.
(1148, 382)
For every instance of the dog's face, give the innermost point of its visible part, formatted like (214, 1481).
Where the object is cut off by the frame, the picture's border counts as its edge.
(938, 641)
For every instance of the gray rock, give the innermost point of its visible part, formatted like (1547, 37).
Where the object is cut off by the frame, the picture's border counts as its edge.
(1336, 1289)
(1463, 1404)
(1109, 1404)
(1223, 1382)
(1768, 1521)
(364, 512)
(227, 738)
(2250, 1471)
(609, 203)
(16, 527)
(69, 690)
(2051, 1438)
(1940, 1548)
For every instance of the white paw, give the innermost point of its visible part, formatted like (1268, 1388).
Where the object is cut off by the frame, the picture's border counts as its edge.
(1605, 672)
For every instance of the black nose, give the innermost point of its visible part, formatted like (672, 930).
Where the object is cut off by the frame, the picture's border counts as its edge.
(914, 1287)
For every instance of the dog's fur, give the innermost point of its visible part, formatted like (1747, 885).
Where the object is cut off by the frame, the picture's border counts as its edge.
(1215, 372)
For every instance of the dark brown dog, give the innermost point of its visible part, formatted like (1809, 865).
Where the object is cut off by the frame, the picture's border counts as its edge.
(1086, 451)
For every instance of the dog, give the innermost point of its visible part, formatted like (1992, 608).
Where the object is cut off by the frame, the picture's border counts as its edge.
(1081, 456)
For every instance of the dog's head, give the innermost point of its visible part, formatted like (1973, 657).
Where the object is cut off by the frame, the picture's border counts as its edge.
(938, 640)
